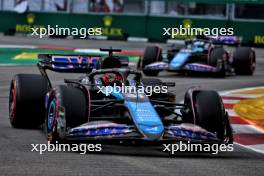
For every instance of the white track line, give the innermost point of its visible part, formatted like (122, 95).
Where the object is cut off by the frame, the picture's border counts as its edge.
(11, 65)
(246, 129)
(225, 101)
(245, 95)
(232, 113)
(224, 93)
(84, 50)
(18, 46)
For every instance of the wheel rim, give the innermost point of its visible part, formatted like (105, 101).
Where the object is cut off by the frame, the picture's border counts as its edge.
(51, 115)
(51, 119)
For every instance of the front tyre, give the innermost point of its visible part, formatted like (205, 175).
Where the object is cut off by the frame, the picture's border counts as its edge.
(68, 107)
(210, 112)
(27, 100)
(218, 58)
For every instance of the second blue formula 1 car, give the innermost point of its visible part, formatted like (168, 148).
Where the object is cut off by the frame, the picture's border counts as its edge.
(82, 110)
(200, 55)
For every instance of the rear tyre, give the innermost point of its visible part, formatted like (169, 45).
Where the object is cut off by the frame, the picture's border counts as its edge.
(27, 100)
(244, 61)
(210, 113)
(68, 107)
(152, 54)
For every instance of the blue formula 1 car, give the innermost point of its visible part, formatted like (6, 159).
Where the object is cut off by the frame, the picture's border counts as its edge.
(206, 55)
(82, 110)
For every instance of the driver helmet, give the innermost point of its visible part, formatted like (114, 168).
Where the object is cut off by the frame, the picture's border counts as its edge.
(109, 79)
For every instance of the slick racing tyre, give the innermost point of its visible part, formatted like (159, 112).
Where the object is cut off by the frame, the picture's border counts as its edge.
(244, 61)
(209, 112)
(218, 56)
(67, 107)
(152, 54)
(27, 100)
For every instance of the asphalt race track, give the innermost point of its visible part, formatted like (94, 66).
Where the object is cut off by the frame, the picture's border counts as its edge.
(16, 157)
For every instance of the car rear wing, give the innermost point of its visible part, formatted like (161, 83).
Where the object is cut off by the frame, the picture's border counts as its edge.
(75, 63)
(67, 63)
(225, 40)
